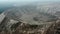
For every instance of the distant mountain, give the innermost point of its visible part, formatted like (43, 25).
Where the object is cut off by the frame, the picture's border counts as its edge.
(33, 13)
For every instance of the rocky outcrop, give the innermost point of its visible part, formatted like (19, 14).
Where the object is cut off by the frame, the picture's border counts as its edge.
(2, 16)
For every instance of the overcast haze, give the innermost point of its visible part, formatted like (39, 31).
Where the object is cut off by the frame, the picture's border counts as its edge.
(29, 0)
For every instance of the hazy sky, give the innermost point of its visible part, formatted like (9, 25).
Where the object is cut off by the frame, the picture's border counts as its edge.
(29, 0)
(14, 1)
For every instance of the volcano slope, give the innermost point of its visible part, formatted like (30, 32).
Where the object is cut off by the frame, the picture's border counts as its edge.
(30, 19)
